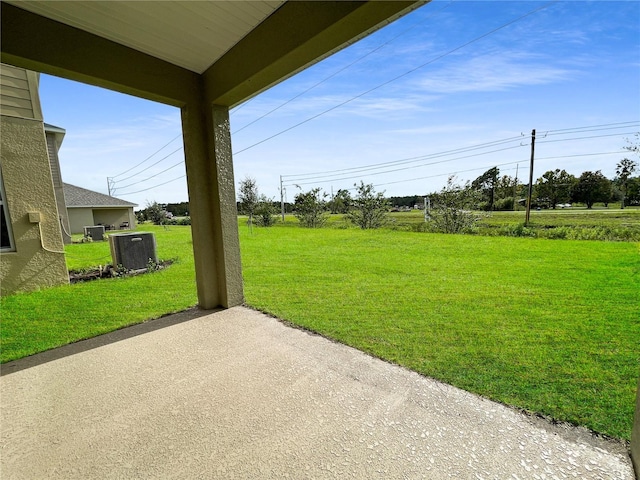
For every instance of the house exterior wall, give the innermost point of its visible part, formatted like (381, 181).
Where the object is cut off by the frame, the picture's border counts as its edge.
(56, 176)
(80, 217)
(19, 93)
(29, 188)
(114, 216)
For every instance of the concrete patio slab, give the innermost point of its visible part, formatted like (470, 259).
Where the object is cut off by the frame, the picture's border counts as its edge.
(237, 394)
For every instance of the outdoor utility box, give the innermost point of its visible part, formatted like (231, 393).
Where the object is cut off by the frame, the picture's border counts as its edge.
(133, 250)
(96, 232)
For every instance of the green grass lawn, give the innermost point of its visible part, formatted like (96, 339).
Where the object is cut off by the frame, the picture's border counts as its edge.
(37, 321)
(551, 326)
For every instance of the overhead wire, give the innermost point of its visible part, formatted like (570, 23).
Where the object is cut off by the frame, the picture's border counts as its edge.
(152, 165)
(331, 175)
(149, 157)
(407, 168)
(486, 167)
(155, 175)
(155, 186)
(398, 77)
(409, 159)
(610, 125)
(358, 172)
(337, 72)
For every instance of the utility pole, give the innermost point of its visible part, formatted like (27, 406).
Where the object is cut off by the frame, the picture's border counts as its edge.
(281, 198)
(427, 208)
(533, 144)
(515, 189)
(109, 181)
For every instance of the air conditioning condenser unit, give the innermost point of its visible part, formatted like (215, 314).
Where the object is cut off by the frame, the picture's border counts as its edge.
(133, 251)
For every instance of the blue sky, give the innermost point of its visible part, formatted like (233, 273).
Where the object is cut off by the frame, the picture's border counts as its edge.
(433, 94)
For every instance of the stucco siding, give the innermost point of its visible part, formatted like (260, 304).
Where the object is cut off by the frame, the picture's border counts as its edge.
(80, 218)
(113, 216)
(29, 189)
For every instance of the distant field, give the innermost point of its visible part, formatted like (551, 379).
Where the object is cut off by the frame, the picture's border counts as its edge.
(572, 223)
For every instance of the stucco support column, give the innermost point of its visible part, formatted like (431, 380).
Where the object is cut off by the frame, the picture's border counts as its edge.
(212, 204)
(635, 435)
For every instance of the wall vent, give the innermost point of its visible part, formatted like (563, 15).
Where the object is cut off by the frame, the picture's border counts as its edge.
(133, 250)
(96, 232)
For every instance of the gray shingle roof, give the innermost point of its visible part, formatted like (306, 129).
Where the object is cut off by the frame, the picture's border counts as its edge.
(81, 197)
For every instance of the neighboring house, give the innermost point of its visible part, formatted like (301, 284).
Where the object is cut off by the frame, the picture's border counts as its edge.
(31, 248)
(54, 136)
(87, 208)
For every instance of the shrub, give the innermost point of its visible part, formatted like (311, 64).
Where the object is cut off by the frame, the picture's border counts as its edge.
(452, 209)
(517, 230)
(265, 213)
(504, 204)
(369, 209)
(310, 208)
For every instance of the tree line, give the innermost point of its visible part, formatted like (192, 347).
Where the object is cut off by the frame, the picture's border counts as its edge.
(449, 207)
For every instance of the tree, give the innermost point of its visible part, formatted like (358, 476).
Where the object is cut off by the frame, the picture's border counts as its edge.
(486, 183)
(369, 208)
(265, 212)
(154, 212)
(451, 211)
(341, 202)
(634, 145)
(633, 191)
(310, 208)
(592, 187)
(624, 169)
(506, 193)
(178, 209)
(554, 187)
(248, 197)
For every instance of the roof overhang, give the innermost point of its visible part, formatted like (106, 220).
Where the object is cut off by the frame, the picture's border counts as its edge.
(167, 50)
(57, 132)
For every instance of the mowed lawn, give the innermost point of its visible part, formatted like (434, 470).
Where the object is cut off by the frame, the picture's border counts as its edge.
(551, 326)
(51, 317)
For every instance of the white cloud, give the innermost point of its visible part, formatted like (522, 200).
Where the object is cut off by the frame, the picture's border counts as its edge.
(490, 72)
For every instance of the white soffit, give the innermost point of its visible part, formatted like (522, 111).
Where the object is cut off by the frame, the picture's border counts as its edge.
(190, 34)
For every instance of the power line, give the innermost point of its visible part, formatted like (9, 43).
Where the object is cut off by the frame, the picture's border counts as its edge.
(330, 174)
(150, 156)
(181, 162)
(498, 165)
(452, 173)
(406, 160)
(155, 186)
(585, 138)
(408, 168)
(612, 125)
(379, 47)
(399, 76)
(150, 166)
